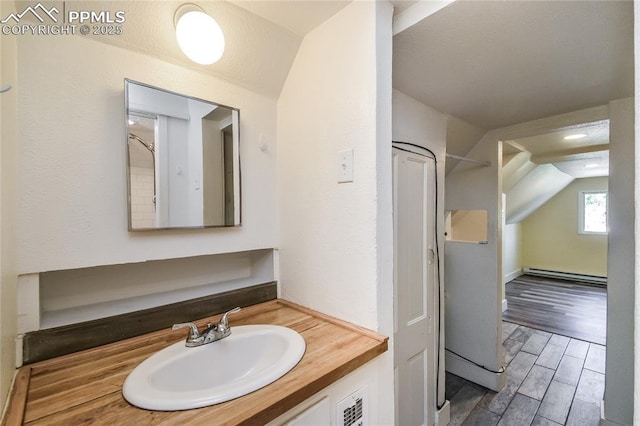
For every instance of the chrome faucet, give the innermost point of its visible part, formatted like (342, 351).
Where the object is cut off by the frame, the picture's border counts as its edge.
(210, 334)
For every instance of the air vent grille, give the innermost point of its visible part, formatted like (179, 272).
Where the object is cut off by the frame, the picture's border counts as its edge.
(352, 411)
(352, 415)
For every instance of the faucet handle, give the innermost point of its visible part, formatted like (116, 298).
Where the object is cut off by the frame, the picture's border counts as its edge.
(193, 332)
(224, 322)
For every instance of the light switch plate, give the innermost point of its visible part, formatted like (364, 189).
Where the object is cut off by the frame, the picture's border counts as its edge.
(345, 166)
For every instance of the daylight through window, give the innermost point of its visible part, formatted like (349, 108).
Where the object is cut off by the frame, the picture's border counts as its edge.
(593, 212)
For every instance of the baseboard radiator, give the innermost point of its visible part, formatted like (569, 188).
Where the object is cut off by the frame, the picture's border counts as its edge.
(593, 279)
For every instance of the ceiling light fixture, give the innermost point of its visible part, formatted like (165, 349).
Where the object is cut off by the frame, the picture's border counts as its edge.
(198, 34)
(591, 166)
(575, 136)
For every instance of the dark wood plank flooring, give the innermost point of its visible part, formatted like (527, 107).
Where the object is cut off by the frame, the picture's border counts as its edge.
(551, 380)
(562, 307)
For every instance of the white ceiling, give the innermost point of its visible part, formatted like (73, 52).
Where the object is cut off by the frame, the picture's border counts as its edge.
(299, 17)
(262, 36)
(401, 5)
(580, 158)
(258, 53)
(586, 167)
(554, 143)
(302, 16)
(490, 63)
(498, 63)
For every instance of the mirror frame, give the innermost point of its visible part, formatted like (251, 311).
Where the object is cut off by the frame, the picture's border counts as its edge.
(237, 190)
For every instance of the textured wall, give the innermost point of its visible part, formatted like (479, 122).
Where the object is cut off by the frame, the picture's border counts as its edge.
(72, 158)
(329, 231)
(8, 202)
(619, 393)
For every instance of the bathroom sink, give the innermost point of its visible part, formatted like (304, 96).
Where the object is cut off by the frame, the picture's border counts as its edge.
(182, 378)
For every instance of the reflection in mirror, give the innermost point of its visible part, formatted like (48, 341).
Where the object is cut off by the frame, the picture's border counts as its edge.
(184, 163)
(466, 226)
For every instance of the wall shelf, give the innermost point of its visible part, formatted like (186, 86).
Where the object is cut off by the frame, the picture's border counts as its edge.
(78, 295)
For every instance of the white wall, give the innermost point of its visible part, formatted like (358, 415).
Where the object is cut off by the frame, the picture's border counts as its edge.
(333, 235)
(417, 123)
(8, 209)
(461, 137)
(327, 229)
(84, 294)
(619, 387)
(384, 384)
(512, 251)
(72, 181)
(636, 193)
(474, 312)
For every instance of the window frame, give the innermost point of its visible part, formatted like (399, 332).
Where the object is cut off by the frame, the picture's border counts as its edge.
(581, 212)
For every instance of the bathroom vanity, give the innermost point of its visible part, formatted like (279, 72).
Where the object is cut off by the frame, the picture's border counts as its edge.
(86, 387)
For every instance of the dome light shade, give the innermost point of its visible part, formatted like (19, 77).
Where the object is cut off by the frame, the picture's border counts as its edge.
(199, 35)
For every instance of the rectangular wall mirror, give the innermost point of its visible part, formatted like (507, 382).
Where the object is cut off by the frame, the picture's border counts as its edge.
(183, 160)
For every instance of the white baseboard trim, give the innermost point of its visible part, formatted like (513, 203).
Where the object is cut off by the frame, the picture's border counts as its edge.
(443, 415)
(505, 305)
(473, 373)
(513, 275)
(603, 420)
(566, 275)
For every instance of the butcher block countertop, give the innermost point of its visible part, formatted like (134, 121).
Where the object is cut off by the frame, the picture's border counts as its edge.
(86, 387)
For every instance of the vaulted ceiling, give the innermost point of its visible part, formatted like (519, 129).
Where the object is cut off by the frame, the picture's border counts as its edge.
(489, 63)
(498, 63)
(262, 37)
(493, 64)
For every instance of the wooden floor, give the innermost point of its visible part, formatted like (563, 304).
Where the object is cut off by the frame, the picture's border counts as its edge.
(563, 307)
(551, 380)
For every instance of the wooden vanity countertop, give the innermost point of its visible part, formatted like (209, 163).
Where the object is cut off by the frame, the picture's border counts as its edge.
(86, 387)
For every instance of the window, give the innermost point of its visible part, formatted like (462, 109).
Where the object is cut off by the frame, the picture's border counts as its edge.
(592, 212)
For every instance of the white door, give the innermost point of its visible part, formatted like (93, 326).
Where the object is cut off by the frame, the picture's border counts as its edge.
(414, 287)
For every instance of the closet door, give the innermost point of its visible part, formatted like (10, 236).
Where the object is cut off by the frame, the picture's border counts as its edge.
(414, 288)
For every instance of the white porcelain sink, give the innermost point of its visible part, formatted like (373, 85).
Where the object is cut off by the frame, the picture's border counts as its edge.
(181, 378)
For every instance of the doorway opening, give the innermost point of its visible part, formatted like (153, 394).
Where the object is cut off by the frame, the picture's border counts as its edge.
(555, 231)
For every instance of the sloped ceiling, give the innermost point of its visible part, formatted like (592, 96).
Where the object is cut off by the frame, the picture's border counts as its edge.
(499, 63)
(494, 64)
(262, 37)
(299, 17)
(533, 190)
(585, 157)
(536, 168)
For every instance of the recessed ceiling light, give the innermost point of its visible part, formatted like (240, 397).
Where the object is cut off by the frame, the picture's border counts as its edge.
(131, 122)
(575, 136)
(591, 165)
